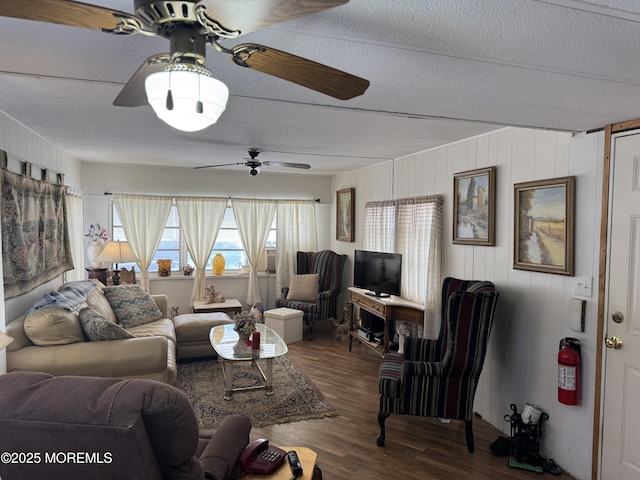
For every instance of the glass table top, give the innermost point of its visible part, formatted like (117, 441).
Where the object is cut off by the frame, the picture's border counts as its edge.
(223, 339)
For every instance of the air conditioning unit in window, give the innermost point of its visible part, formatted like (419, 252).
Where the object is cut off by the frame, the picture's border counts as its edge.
(267, 262)
(271, 260)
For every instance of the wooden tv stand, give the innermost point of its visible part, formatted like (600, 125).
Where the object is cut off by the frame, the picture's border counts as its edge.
(388, 309)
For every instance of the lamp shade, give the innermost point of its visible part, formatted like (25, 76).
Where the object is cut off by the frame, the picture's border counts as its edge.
(187, 89)
(117, 252)
(5, 340)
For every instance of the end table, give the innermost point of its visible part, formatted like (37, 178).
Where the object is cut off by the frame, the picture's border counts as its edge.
(98, 274)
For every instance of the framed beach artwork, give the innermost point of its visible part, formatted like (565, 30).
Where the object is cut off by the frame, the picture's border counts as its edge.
(544, 227)
(474, 210)
(345, 213)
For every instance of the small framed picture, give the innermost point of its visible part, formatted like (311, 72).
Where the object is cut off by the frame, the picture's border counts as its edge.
(474, 209)
(345, 214)
(544, 227)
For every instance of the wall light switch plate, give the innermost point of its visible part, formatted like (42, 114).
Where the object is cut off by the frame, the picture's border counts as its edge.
(583, 286)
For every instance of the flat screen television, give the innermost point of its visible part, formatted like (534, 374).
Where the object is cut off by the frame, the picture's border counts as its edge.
(377, 272)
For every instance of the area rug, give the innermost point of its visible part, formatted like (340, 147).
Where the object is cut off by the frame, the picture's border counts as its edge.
(294, 398)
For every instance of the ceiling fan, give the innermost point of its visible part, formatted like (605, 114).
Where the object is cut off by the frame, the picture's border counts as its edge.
(190, 25)
(254, 164)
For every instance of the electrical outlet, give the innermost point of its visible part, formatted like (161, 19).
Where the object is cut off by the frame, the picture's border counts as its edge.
(583, 286)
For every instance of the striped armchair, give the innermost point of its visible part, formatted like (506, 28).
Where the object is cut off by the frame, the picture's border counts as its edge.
(438, 378)
(329, 265)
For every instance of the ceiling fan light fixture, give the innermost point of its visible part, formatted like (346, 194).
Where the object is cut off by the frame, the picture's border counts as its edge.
(198, 99)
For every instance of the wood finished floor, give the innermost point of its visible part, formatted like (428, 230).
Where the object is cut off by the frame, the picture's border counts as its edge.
(416, 448)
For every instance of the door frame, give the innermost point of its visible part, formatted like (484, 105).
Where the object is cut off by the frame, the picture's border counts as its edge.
(598, 414)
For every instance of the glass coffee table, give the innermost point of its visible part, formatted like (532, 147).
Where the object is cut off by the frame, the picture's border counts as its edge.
(223, 339)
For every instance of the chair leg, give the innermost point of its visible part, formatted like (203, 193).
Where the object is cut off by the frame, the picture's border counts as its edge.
(382, 416)
(468, 431)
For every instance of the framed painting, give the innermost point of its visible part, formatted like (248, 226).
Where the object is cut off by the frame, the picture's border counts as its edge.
(544, 228)
(474, 209)
(345, 214)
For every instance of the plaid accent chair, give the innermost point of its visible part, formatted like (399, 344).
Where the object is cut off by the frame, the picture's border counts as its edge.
(329, 265)
(438, 378)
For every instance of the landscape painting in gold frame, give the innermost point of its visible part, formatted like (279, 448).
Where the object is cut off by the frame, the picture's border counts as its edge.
(544, 227)
(474, 209)
(345, 213)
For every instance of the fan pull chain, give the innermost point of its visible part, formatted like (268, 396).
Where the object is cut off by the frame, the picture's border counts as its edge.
(199, 108)
(169, 95)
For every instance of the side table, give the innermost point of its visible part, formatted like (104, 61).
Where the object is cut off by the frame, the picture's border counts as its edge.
(230, 307)
(98, 274)
(307, 458)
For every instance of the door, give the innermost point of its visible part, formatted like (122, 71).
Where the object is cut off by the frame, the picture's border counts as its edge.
(621, 404)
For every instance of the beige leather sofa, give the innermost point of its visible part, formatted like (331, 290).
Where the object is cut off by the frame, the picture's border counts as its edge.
(151, 353)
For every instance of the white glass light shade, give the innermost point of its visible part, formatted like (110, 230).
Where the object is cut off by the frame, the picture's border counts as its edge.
(187, 88)
(117, 252)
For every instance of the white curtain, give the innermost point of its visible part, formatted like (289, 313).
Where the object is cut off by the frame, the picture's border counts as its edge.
(254, 218)
(76, 236)
(379, 226)
(296, 230)
(418, 239)
(143, 220)
(200, 220)
(413, 228)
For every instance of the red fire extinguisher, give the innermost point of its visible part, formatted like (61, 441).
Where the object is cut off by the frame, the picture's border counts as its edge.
(569, 371)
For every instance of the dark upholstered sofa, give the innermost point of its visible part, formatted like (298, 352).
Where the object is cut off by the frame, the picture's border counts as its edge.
(72, 427)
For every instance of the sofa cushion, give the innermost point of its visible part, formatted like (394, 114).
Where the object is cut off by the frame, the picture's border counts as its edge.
(158, 328)
(304, 288)
(53, 326)
(98, 329)
(132, 305)
(99, 302)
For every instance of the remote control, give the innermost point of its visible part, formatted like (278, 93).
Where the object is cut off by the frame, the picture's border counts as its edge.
(294, 463)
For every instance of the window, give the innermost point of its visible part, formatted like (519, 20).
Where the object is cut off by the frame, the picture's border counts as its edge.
(413, 228)
(173, 246)
(229, 245)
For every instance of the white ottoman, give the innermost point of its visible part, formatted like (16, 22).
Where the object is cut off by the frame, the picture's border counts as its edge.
(286, 322)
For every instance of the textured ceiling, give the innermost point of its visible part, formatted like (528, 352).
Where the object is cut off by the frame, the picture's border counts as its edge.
(440, 71)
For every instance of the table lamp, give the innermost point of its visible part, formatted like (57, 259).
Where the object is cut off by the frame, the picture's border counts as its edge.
(5, 340)
(117, 252)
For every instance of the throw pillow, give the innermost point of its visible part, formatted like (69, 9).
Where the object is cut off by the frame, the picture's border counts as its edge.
(132, 305)
(304, 288)
(98, 329)
(53, 326)
(99, 303)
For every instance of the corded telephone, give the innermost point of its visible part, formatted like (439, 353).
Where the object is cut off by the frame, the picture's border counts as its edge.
(259, 457)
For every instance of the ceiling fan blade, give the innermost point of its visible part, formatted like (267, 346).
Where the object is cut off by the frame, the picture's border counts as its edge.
(287, 164)
(310, 74)
(133, 93)
(65, 12)
(221, 165)
(251, 15)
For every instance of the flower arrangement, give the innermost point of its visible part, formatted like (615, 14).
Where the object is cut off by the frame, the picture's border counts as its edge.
(245, 323)
(97, 233)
